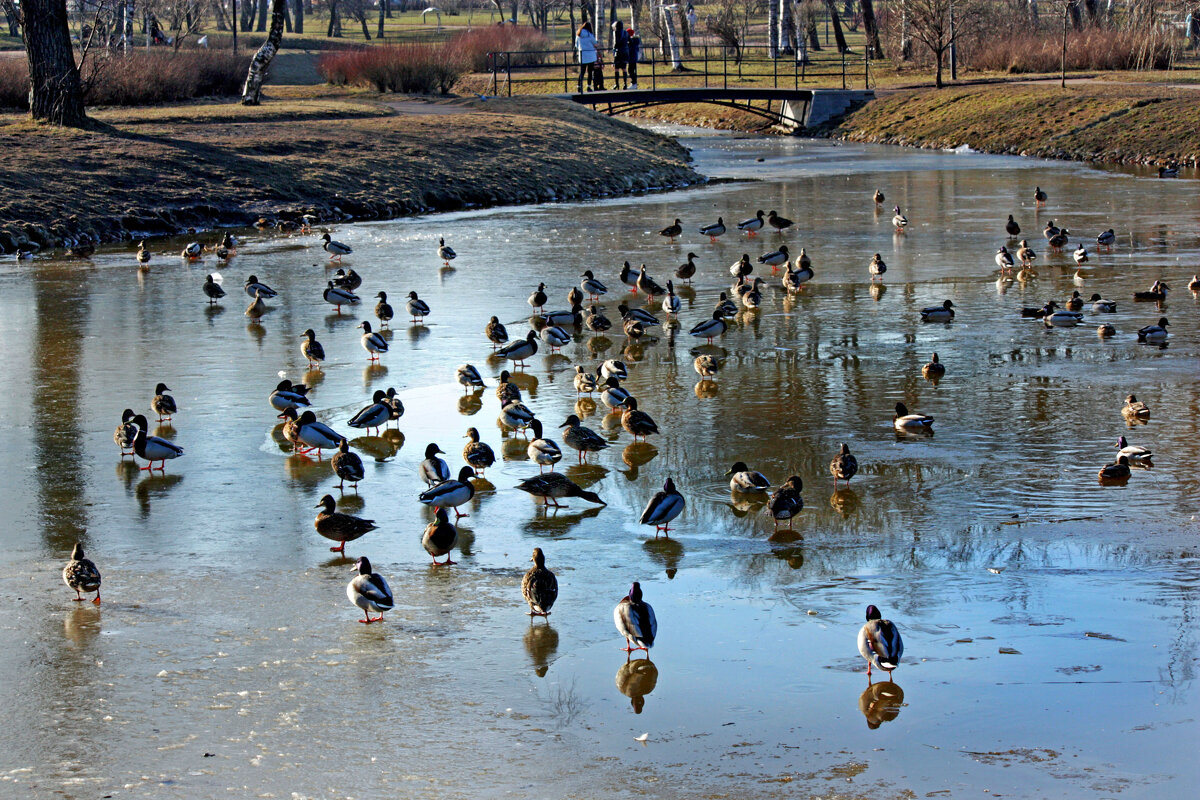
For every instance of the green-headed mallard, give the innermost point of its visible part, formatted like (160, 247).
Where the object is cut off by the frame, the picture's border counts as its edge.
(1135, 453)
(715, 230)
(310, 433)
(1004, 259)
(635, 620)
(440, 537)
(126, 432)
(374, 415)
(539, 587)
(613, 395)
(338, 297)
(347, 279)
(637, 314)
(520, 350)
(906, 422)
(942, 313)
(372, 342)
(1156, 294)
(753, 225)
(191, 252)
(555, 337)
(256, 288)
(554, 486)
(417, 308)
(369, 591)
(663, 507)
(594, 288)
(543, 452)
(433, 469)
(1080, 255)
(1012, 228)
(445, 252)
(81, 575)
(347, 465)
(899, 221)
(163, 404)
(335, 249)
(583, 439)
(311, 349)
(1039, 197)
(476, 453)
(339, 527)
(741, 268)
(1107, 239)
(289, 395)
(745, 480)
(671, 304)
(451, 493)
(1154, 333)
(153, 448)
(879, 643)
(878, 197)
(775, 258)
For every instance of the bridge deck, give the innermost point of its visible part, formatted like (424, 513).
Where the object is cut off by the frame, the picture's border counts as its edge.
(689, 95)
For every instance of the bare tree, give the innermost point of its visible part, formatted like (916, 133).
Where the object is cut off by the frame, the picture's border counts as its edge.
(836, 21)
(724, 26)
(257, 74)
(872, 28)
(672, 39)
(932, 26)
(56, 92)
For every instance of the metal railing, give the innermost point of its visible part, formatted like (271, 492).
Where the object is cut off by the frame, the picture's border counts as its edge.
(706, 66)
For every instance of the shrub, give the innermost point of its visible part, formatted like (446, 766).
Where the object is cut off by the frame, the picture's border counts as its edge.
(1090, 49)
(14, 83)
(404, 68)
(475, 44)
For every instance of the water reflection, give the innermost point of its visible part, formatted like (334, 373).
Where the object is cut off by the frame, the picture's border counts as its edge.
(372, 373)
(470, 404)
(153, 486)
(845, 502)
(666, 553)
(381, 448)
(82, 624)
(541, 643)
(636, 679)
(881, 702)
(554, 522)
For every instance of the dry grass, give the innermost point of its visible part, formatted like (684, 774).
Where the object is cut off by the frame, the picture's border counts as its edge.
(1090, 49)
(405, 68)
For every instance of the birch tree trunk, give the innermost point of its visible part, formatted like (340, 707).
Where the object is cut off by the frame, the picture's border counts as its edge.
(772, 30)
(257, 74)
(672, 39)
(905, 38)
(55, 90)
(786, 27)
(635, 14)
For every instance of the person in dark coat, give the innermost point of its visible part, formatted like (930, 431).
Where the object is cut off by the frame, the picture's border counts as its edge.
(620, 51)
(633, 51)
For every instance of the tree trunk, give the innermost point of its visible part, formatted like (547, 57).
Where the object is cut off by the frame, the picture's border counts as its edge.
(262, 16)
(383, 4)
(685, 32)
(1033, 12)
(55, 93)
(672, 40)
(298, 15)
(257, 74)
(772, 30)
(233, 26)
(1076, 17)
(937, 81)
(249, 12)
(635, 14)
(905, 39)
(219, 14)
(335, 24)
(786, 43)
(838, 36)
(598, 23)
(814, 38)
(14, 27)
(872, 29)
(362, 18)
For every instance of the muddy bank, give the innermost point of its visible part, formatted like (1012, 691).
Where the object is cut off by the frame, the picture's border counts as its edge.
(164, 171)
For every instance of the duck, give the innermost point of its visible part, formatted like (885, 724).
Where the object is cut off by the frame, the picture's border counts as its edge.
(594, 288)
(635, 620)
(125, 433)
(596, 322)
(507, 391)
(418, 309)
(229, 242)
(1135, 409)
(1168, 172)
(575, 298)
(285, 226)
(741, 268)
(671, 304)
(613, 395)
(710, 328)
(375, 415)
(1106, 330)
(899, 221)
(520, 350)
(1026, 254)
(1029, 312)
(777, 222)
(725, 307)
(878, 197)
(451, 493)
(335, 249)
(1135, 453)
(468, 377)
(372, 342)
(289, 395)
(554, 486)
(81, 575)
(1107, 239)
(796, 277)
(445, 252)
(844, 465)
(369, 591)
(629, 276)
(746, 480)
(753, 225)
(257, 308)
(663, 507)
(212, 289)
(496, 333)
(339, 297)
(877, 267)
(786, 502)
(905, 422)
(775, 258)
(713, 231)
(639, 423)
(1062, 318)
(339, 527)
(191, 252)
(1154, 333)
(347, 466)
(476, 453)
(347, 279)
(543, 452)
(163, 404)
(256, 288)
(1004, 259)
(1039, 197)
(1059, 240)
(641, 315)
(1012, 228)
(1116, 471)
(1051, 230)
(584, 381)
(1075, 301)
(753, 298)
(1080, 255)
(572, 317)
(1157, 293)
(143, 255)
(307, 221)
(942, 313)
(314, 435)
(672, 230)
(707, 366)
(1194, 284)
(613, 368)
(647, 285)
(934, 370)
(539, 587)
(433, 469)
(311, 349)
(581, 438)
(396, 404)
(440, 538)
(879, 642)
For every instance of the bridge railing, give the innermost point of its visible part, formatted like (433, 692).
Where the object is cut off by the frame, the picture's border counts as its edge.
(547, 71)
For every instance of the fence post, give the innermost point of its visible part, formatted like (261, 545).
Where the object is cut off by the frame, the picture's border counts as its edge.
(653, 73)
(705, 66)
(566, 75)
(775, 73)
(843, 70)
(508, 65)
(724, 66)
(495, 78)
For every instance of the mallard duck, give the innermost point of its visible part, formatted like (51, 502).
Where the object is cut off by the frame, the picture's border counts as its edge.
(1107, 239)
(339, 527)
(899, 221)
(433, 469)
(126, 432)
(312, 434)
(229, 242)
(942, 313)
(539, 587)
(1025, 254)
(143, 255)
(663, 507)
(369, 591)
(613, 368)
(777, 222)
(163, 404)
(795, 278)
(880, 643)
(372, 342)
(710, 328)
(878, 197)
(1012, 228)
(745, 480)
(1051, 230)
(1062, 318)
(706, 366)
(642, 316)
(594, 288)
(347, 279)
(468, 377)
(1059, 240)
(786, 502)
(1154, 333)
(1004, 259)
(440, 537)
(753, 298)
(445, 252)
(713, 231)
(1135, 409)
(671, 304)
(335, 249)
(1039, 197)
(1029, 312)
(844, 465)
(153, 448)
(257, 308)
(725, 307)
(629, 276)
(451, 493)
(803, 262)
(647, 285)
(904, 421)
(753, 225)
(520, 350)
(81, 575)
(1075, 301)
(635, 621)
(572, 317)
(396, 404)
(741, 268)
(1135, 454)
(613, 395)
(553, 486)
(191, 252)
(543, 452)
(418, 309)
(285, 226)
(1106, 330)
(375, 415)
(934, 369)
(496, 333)
(307, 221)
(575, 299)
(634, 329)
(585, 382)
(596, 321)
(311, 349)
(581, 438)
(212, 289)
(1116, 471)
(1168, 172)
(1194, 283)
(339, 297)
(775, 258)
(672, 230)
(476, 453)
(1157, 293)
(877, 267)
(638, 423)
(289, 395)
(1080, 255)
(347, 465)
(256, 288)
(507, 391)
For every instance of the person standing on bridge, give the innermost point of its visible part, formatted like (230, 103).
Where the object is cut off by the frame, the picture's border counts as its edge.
(585, 48)
(633, 51)
(620, 52)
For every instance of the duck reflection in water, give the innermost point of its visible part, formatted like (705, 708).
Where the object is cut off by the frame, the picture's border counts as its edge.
(636, 679)
(153, 486)
(877, 290)
(257, 332)
(380, 448)
(372, 373)
(470, 404)
(541, 643)
(585, 407)
(305, 472)
(665, 552)
(597, 345)
(314, 378)
(707, 389)
(82, 624)
(637, 454)
(551, 521)
(881, 702)
(845, 501)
